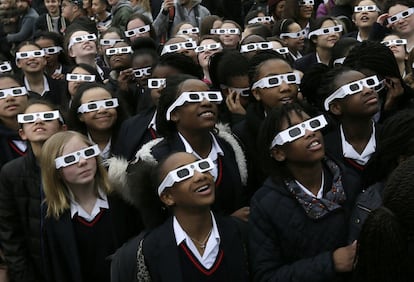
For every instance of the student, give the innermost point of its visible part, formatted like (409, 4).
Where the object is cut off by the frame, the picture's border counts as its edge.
(273, 83)
(51, 21)
(108, 38)
(139, 26)
(398, 47)
(293, 37)
(186, 29)
(323, 35)
(190, 126)
(52, 44)
(207, 47)
(298, 222)
(194, 243)
(184, 11)
(386, 243)
(230, 34)
(141, 128)
(180, 45)
(102, 16)
(208, 23)
(30, 58)
(72, 10)
(85, 220)
(354, 140)
(365, 14)
(97, 113)
(301, 12)
(21, 195)
(13, 102)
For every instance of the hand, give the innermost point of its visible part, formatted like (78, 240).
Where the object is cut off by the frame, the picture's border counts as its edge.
(168, 4)
(233, 103)
(242, 213)
(101, 28)
(383, 19)
(124, 77)
(344, 257)
(395, 90)
(58, 76)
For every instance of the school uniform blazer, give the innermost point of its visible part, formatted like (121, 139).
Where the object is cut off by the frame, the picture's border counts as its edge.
(60, 249)
(305, 62)
(230, 191)
(134, 132)
(57, 94)
(163, 261)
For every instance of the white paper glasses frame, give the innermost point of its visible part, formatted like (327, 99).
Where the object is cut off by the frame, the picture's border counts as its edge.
(80, 77)
(5, 67)
(294, 35)
(244, 92)
(276, 80)
(82, 38)
(282, 51)
(156, 83)
(401, 15)
(96, 105)
(326, 30)
(109, 42)
(30, 54)
(194, 97)
(138, 73)
(16, 91)
(265, 19)
(184, 172)
(118, 50)
(185, 31)
(52, 50)
(352, 88)
(72, 158)
(221, 31)
(306, 2)
(297, 131)
(339, 61)
(211, 47)
(171, 48)
(45, 116)
(394, 42)
(369, 8)
(138, 30)
(256, 46)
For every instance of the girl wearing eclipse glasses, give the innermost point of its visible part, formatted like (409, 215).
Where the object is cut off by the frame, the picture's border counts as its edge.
(298, 222)
(21, 198)
(86, 221)
(194, 243)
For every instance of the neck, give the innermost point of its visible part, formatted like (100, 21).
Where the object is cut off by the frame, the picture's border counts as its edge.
(56, 14)
(84, 193)
(206, 73)
(364, 33)
(200, 142)
(197, 223)
(401, 67)
(303, 23)
(324, 55)
(36, 148)
(358, 133)
(309, 175)
(89, 60)
(410, 41)
(34, 78)
(101, 137)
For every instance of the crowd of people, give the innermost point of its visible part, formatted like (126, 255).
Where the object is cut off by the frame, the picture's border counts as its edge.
(189, 140)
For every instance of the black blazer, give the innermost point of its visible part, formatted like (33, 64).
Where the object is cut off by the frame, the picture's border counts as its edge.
(162, 257)
(305, 62)
(62, 261)
(134, 133)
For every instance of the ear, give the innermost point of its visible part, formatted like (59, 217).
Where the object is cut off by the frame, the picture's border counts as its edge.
(256, 94)
(22, 134)
(18, 64)
(284, 40)
(167, 198)
(70, 53)
(175, 116)
(278, 154)
(314, 39)
(335, 108)
(81, 118)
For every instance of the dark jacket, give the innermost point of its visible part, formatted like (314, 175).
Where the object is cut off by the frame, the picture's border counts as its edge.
(62, 261)
(43, 25)
(135, 133)
(25, 28)
(162, 258)
(121, 13)
(20, 218)
(287, 245)
(8, 150)
(230, 192)
(305, 62)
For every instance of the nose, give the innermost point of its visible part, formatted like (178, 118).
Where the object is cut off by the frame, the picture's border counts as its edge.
(10, 98)
(101, 110)
(284, 86)
(366, 90)
(199, 176)
(309, 133)
(82, 161)
(38, 120)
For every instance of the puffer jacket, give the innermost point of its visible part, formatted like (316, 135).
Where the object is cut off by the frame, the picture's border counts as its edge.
(20, 218)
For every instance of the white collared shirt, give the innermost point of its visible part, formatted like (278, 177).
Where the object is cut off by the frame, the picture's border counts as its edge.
(320, 192)
(45, 85)
(350, 153)
(213, 155)
(106, 152)
(101, 202)
(212, 247)
(153, 122)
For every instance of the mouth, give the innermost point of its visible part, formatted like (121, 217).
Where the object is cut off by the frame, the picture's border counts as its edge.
(207, 114)
(204, 190)
(371, 100)
(39, 129)
(314, 145)
(286, 100)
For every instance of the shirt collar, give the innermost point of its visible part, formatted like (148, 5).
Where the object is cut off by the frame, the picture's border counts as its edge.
(101, 202)
(45, 85)
(215, 148)
(350, 153)
(153, 121)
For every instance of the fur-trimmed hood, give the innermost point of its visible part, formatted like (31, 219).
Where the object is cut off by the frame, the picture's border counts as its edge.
(122, 173)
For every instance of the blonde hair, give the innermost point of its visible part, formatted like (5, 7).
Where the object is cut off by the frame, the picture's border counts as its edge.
(57, 194)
